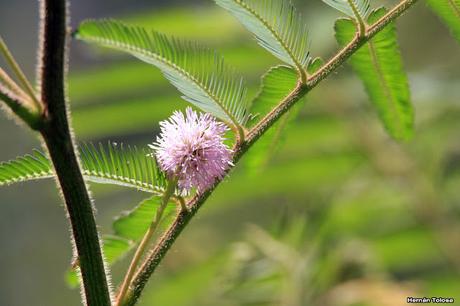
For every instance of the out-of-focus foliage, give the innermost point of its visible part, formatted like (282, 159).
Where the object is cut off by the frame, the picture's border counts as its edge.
(382, 217)
(380, 67)
(449, 12)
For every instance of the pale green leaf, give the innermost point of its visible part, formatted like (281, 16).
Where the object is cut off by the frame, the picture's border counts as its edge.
(352, 7)
(277, 84)
(449, 12)
(277, 26)
(112, 164)
(379, 65)
(198, 73)
(122, 165)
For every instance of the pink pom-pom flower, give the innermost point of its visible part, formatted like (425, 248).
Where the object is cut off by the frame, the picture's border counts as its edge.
(192, 148)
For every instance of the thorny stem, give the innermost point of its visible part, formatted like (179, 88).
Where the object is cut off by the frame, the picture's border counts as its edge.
(60, 144)
(21, 76)
(184, 217)
(145, 241)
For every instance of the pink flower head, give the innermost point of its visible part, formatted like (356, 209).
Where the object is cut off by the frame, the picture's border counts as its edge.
(192, 146)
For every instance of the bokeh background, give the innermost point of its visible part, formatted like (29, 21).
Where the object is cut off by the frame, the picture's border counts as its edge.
(340, 215)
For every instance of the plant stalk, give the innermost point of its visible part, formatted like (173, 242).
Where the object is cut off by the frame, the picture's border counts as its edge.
(184, 217)
(361, 22)
(20, 75)
(60, 144)
(145, 241)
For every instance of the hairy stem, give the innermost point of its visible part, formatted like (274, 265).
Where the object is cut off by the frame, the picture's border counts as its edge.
(184, 217)
(144, 242)
(61, 148)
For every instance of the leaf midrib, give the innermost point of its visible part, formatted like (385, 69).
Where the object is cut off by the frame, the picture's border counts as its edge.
(94, 176)
(356, 11)
(384, 84)
(273, 32)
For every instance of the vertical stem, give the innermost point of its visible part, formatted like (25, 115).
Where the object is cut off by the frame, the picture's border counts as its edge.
(61, 148)
(145, 241)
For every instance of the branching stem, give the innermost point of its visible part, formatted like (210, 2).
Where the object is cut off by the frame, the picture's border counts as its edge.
(145, 241)
(359, 18)
(182, 219)
(20, 75)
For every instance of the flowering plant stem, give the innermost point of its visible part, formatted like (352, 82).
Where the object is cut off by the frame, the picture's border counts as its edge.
(161, 248)
(60, 144)
(172, 184)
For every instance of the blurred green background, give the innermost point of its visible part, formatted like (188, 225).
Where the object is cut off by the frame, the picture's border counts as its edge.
(341, 215)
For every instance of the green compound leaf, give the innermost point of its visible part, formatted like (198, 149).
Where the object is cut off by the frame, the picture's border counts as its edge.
(277, 83)
(122, 165)
(133, 225)
(198, 73)
(277, 27)
(29, 167)
(449, 12)
(379, 65)
(114, 250)
(113, 164)
(352, 7)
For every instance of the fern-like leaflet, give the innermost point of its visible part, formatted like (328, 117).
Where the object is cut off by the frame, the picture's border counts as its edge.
(357, 9)
(198, 73)
(114, 164)
(277, 26)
